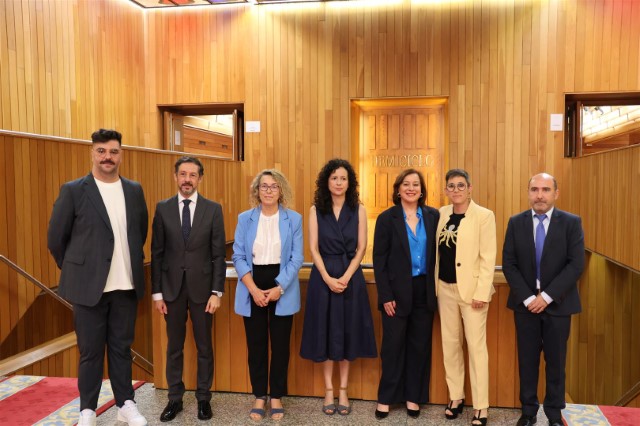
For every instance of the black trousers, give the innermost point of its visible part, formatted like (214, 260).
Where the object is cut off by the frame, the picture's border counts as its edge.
(201, 321)
(262, 325)
(406, 351)
(536, 333)
(112, 323)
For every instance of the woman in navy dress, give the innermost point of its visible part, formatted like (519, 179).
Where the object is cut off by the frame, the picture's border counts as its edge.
(337, 322)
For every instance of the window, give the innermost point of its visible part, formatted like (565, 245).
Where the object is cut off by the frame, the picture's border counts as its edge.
(597, 122)
(216, 130)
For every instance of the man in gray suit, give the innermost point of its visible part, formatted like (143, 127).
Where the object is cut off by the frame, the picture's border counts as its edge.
(96, 236)
(188, 272)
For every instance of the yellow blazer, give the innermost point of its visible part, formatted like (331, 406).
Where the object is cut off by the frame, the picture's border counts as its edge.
(475, 252)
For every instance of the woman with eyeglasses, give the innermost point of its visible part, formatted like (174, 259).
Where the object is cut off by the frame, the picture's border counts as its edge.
(465, 264)
(267, 255)
(337, 322)
(404, 264)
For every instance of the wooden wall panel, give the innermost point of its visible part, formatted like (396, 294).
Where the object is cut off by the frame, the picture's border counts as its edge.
(503, 66)
(70, 67)
(67, 68)
(602, 361)
(603, 189)
(31, 172)
(305, 377)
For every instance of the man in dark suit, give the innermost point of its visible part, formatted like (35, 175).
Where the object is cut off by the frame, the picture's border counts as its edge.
(96, 236)
(188, 272)
(543, 258)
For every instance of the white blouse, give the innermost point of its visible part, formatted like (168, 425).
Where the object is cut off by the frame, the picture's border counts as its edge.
(266, 247)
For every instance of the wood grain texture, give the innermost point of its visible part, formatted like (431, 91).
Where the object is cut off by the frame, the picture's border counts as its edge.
(33, 170)
(67, 68)
(305, 377)
(602, 360)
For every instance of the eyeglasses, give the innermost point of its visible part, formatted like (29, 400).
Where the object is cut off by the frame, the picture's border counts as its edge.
(460, 186)
(266, 188)
(102, 152)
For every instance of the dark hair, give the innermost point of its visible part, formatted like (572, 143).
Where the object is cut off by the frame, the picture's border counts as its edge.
(396, 185)
(458, 173)
(193, 160)
(322, 196)
(104, 135)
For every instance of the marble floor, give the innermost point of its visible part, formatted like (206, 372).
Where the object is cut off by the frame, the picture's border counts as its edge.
(233, 409)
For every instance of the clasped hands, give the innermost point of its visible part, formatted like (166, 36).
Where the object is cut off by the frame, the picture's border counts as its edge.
(537, 305)
(263, 297)
(337, 285)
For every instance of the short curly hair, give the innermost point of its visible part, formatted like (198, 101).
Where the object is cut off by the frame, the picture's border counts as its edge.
(396, 186)
(322, 196)
(286, 195)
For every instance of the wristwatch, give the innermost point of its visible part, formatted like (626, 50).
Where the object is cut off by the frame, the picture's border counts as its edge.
(217, 293)
(281, 290)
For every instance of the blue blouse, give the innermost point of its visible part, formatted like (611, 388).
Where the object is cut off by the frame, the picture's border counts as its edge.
(417, 245)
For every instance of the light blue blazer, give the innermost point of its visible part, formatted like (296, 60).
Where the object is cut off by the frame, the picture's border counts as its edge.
(291, 259)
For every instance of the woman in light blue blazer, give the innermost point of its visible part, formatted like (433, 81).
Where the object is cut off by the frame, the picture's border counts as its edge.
(267, 255)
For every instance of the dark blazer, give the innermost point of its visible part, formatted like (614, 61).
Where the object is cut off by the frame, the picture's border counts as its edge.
(201, 258)
(81, 240)
(392, 259)
(561, 264)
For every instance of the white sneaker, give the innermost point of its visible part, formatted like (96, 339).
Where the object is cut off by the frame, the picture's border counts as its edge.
(87, 417)
(129, 414)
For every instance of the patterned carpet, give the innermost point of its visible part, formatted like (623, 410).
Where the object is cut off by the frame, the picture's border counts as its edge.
(600, 415)
(37, 400)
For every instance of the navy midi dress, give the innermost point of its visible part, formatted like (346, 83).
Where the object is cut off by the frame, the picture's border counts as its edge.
(337, 326)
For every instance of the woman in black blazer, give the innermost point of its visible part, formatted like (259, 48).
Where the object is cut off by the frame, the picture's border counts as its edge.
(404, 264)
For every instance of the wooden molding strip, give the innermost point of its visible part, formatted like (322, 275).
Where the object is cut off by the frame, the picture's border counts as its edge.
(38, 353)
(88, 142)
(628, 396)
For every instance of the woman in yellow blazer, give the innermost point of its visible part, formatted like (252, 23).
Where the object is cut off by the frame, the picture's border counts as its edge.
(465, 263)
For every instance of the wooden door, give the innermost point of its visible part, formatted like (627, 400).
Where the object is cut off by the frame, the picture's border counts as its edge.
(392, 139)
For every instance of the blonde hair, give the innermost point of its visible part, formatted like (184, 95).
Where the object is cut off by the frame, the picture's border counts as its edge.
(285, 195)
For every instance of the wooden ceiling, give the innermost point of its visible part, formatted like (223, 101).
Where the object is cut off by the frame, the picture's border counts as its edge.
(171, 4)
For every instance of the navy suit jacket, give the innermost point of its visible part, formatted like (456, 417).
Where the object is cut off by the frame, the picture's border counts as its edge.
(392, 259)
(81, 240)
(201, 258)
(560, 267)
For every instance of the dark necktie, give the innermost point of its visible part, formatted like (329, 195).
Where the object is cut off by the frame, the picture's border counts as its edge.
(540, 236)
(186, 220)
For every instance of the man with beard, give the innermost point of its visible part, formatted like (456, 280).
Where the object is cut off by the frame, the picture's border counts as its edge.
(96, 236)
(542, 259)
(187, 273)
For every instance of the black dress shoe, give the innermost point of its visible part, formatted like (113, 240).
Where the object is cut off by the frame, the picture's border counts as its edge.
(204, 410)
(526, 421)
(381, 414)
(556, 422)
(171, 411)
(413, 413)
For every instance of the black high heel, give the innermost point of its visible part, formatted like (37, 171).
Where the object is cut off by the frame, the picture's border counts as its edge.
(414, 414)
(381, 414)
(482, 420)
(454, 411)
(476, 418)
